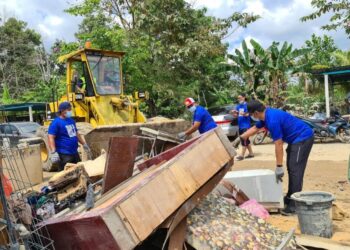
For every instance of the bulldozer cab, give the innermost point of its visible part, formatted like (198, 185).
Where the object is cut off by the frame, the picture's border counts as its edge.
(95, 88)
(94, 72)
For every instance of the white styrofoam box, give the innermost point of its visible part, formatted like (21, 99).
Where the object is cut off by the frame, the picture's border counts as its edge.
(259, 184)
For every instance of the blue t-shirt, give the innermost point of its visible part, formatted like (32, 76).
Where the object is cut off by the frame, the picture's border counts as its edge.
(65, 132)
(207, 122)
(243, 121)
(283, 125)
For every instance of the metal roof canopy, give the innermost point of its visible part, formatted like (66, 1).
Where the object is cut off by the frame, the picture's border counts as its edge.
(337, 76)
(37, 106)
(29, 106)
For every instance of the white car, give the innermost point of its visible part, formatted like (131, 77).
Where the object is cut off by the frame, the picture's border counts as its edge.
(229, 127)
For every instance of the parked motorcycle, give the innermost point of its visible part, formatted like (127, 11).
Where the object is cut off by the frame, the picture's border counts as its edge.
(335, 128)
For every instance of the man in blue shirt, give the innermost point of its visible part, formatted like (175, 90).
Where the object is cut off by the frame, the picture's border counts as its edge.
(284, 128)
(202, 120)
(64, 137)
(241, 112)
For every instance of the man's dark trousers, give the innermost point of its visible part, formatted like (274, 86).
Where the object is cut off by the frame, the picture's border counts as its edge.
(297, 156)
(64, 159)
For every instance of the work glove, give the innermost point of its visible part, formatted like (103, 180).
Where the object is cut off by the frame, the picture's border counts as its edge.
(87, 150)
(54, 157)
(181, 136)
(279, 172)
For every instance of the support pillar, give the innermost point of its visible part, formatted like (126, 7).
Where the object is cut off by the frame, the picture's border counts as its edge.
(30, 109)
(326, 90)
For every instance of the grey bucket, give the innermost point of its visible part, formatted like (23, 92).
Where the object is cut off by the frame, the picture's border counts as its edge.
(314, 210)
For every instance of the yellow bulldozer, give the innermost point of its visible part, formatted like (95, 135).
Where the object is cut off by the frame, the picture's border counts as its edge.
(95, 88)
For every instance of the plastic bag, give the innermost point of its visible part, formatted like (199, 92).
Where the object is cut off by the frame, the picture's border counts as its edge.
(256, 209)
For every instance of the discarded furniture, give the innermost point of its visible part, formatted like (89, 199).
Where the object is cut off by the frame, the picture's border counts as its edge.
(168, 188)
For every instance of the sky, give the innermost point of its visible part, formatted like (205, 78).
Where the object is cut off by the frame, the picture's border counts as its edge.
(279, 22)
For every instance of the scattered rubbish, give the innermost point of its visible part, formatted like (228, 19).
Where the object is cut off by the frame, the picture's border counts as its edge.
(217, 224)
(314, 215)
(20, 222)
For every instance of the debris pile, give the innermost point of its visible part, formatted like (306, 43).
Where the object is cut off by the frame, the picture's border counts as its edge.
(218, 224)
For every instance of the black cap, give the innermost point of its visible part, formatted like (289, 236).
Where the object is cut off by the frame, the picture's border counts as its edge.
(255, 106)
(63, 106)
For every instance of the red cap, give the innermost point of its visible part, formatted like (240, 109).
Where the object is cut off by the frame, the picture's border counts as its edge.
(189, 101)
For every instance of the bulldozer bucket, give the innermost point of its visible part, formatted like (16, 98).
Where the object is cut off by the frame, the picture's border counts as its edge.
(98, 138)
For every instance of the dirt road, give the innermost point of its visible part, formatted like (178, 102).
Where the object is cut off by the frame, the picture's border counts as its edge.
(326, 171)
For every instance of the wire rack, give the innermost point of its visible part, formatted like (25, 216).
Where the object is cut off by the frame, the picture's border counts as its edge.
(14, 232)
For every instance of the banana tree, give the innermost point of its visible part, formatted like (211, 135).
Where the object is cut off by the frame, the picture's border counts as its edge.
(282, 63)
(250, 64)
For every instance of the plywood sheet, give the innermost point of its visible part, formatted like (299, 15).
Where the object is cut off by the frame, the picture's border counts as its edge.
(120, 161)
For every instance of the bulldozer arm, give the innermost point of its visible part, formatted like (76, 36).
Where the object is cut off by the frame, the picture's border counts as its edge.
(98, 138)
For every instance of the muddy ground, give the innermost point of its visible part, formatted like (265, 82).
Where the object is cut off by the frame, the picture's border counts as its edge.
(327, 170)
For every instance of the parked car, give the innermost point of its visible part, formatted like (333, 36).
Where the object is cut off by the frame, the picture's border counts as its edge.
(229, 126)
(16, 131)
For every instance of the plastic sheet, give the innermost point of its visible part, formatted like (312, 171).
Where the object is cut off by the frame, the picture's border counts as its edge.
(256, 209)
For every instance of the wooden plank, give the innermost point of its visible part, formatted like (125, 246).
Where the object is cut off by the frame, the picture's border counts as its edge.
(126, 187)
(224, 140)
(319, 242)
(177, 237)
(120, 161)
(195, 199)
(210, 156)
(156, 201)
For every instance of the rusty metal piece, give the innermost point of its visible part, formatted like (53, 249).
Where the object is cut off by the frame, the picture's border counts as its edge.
(120, 161)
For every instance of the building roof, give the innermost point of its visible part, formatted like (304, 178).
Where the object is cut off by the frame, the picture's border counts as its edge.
(337, 75)
(36, 106)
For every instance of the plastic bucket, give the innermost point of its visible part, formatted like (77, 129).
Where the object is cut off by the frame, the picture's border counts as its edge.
(314, 210)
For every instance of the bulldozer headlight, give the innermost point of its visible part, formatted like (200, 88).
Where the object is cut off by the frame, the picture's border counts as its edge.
(142, 95)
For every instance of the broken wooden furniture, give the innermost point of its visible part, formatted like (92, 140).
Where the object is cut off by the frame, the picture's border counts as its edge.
(168, 188)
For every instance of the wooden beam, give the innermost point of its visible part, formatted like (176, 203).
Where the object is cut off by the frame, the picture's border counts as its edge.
(177, 237)
(319, 242)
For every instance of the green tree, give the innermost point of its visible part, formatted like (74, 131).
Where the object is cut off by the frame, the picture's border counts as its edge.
(172, 50)
(342, 58)
(266, 72)
(340, 14)
(283, 62)
(320, 51)
(251, 65)
(320, 55)
(18, 65)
